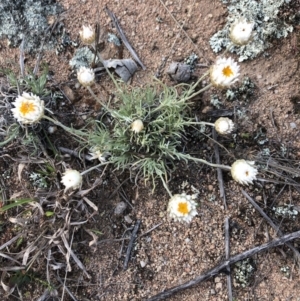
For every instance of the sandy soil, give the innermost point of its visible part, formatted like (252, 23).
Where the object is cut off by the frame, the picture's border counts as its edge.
(174, 253)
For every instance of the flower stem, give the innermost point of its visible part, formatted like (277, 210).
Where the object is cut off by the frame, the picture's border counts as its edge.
(97, 98)
(198, 92)
(72, 131)
(165, 185)
(199, 122)
(225, 167)
(94, 167)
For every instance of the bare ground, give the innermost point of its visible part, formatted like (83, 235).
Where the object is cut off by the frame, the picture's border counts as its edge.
(173, 253)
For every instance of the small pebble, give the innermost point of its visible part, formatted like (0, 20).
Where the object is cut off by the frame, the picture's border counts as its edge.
(128, 219)
(143, 263)
(120, 208)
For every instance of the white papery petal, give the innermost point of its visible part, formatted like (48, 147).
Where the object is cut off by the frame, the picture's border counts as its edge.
(86, 76)
(71, 179)
(224, 72)
(244, 171)
(29, 108)
(182, 208)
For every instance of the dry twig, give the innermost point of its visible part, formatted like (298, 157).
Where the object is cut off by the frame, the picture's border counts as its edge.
(131, 242)
(272, 224)
(123, 37)
(222, 267)
(227, 255)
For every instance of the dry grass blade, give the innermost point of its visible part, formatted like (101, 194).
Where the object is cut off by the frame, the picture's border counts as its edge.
(78, 262)
(8, 243)
(10, 258)
(9, 290)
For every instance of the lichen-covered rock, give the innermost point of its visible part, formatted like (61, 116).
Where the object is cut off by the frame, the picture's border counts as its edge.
(264, 15)
(27, 19)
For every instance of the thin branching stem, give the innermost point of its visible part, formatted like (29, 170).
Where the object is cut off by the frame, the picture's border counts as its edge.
(94, 167)
(199, 123)
(198, 92)
(77, 133)
(225, 167)
(97, 98)
(165, 185)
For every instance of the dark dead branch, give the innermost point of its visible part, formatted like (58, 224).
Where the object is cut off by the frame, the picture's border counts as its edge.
(131, 243)
(227, 255)
(150, 230)
(222, 267)
(272, 224)
(123, 37)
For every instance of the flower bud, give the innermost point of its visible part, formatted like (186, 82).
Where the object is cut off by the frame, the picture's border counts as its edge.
(137, 126)
(87, 35)
(85, 76)
(241, 32)
(224, 125)
(243, 171)
(71, 179)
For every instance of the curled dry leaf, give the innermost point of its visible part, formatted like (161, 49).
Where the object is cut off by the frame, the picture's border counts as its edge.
(180, 72)
(124, 68)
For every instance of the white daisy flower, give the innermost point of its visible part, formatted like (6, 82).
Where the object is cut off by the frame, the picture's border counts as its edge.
(244, 171)
(224, 125)
(87, 35)
(137, 126)
(71, 179)
(97, 154)
(182, 208)
(224, 72)
(29, 108)
(241, 32)
(86, 76)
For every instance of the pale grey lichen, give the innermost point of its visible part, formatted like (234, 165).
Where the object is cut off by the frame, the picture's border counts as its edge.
(83, 57)
(264, 15)
(286, 211)
(27, 19)
(243, 272)
(242, 92)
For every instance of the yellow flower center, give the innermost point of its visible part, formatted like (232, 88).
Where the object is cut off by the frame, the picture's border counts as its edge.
(27, 107)
(227, 71)
(183, 208)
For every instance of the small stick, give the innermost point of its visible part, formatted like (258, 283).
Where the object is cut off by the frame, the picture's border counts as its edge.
(227, 255)
(223, 265)
(219, 170)
(272, 224)
(130, 245)
(123, 37)
(150, 230)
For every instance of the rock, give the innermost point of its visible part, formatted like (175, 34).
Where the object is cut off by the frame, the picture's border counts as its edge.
(128, 219)
(120, 208)
(143, 263)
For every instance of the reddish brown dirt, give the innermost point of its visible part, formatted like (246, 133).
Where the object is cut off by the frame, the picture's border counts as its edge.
(174, 253)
